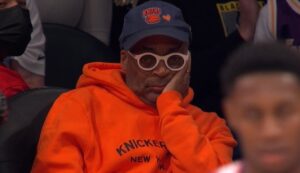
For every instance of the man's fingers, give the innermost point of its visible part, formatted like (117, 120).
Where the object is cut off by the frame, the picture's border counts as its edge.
(189, 63)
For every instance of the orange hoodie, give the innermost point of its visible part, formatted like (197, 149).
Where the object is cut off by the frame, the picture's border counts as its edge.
(102, 126)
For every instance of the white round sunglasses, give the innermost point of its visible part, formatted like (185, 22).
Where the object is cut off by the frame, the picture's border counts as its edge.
(148, 61)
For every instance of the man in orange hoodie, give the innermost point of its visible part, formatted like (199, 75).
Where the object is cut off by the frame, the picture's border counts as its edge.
(136, 116)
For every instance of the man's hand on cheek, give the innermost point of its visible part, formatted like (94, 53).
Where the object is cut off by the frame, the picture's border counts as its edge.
(181, 80)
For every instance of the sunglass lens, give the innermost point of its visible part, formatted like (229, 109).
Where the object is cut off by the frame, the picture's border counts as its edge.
(175, 61)
(147, 61)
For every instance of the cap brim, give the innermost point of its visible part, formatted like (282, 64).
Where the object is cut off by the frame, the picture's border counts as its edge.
(175, 33)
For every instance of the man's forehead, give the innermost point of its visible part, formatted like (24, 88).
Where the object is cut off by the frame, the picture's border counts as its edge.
(159, 38)
(266, 82)
(152, 42)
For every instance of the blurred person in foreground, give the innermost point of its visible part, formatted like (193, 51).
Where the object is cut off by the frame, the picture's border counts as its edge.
(136, 116)
(261, 84)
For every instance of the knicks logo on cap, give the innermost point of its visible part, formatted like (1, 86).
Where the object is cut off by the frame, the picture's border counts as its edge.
(152, 15)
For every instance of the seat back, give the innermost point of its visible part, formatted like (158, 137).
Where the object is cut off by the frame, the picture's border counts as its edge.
(67, 50)
(66, 12)
(19, 135)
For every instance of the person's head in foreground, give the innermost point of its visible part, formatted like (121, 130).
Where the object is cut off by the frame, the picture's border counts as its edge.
(154, 43)
(261, 84)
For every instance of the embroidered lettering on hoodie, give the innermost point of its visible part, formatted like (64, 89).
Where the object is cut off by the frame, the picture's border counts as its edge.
(139, 143)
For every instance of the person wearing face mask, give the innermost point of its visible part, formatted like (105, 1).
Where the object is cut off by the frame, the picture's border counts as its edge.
(31, 64)
(136, 116)
(15, 30)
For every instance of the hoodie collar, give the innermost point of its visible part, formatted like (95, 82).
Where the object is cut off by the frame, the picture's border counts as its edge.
(108, 76)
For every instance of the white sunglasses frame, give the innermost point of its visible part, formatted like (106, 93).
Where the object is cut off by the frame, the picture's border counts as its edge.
(159, 58)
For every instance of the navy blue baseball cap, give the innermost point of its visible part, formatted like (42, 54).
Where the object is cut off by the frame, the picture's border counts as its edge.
(153, 18)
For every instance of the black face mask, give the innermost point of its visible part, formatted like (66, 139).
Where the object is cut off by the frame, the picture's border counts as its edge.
(15, 31)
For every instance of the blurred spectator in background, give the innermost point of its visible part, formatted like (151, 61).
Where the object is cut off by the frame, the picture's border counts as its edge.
(279, 20)
(31, 64)
(91, 16)
(15, 29)
(261, 84)
(219, 26)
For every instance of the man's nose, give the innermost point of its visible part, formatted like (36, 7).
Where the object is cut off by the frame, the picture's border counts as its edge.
(271, 128)
(161, 70)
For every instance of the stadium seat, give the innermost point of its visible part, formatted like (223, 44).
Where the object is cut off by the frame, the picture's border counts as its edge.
(19, 135)
(67, 50)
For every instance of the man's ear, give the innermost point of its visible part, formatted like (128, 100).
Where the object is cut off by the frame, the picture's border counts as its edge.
(124, 61)
(229, 111)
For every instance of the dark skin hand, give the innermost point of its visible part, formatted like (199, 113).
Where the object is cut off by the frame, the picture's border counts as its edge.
(181, 80)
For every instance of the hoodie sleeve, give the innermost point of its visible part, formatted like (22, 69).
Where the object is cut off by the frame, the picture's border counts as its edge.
(197, 141)
(65, 136)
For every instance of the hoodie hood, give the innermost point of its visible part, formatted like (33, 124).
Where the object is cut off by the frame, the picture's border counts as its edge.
(108, 76)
